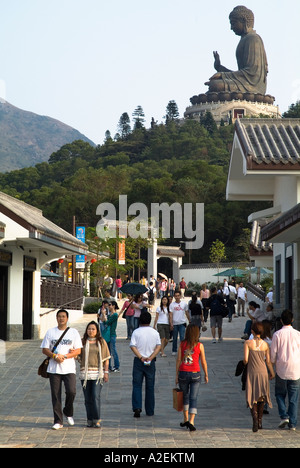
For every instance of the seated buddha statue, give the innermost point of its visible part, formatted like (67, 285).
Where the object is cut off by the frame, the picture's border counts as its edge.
(251, 75)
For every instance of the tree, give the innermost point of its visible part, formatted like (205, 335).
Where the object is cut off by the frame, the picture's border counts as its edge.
(71, 151)
(172, 112)
(124, 126)
(208, 122)
(217, 253)
(138, 118)
(242, 244)
(108, 137)
(293, 112)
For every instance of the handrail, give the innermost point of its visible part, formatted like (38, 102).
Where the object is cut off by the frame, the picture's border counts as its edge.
(61, 306)
(256, 291)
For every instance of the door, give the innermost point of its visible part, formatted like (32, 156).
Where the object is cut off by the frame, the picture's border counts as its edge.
(27, 305)
(3, 302)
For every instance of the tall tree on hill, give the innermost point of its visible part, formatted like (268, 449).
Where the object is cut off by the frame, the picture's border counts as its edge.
(208, 122)
(172, 112)
(107, 136)
(138, 118)
(124, 127)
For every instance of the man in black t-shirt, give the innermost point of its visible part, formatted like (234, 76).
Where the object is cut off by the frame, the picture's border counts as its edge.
(217, 307)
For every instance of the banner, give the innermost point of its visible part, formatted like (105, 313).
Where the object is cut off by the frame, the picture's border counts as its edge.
(80, 259)
(121, 254)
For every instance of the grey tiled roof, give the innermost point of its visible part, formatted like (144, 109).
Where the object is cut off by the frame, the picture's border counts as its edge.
(32, 218)
(270, 141)
(256, 239)
(170, 250)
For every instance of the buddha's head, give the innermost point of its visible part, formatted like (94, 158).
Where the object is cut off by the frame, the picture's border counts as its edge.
(242, 20)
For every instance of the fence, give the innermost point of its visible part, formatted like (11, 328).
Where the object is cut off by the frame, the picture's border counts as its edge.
(56, 294)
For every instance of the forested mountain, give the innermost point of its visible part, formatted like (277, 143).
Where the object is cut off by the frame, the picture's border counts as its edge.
(27, 138)
(185, 163)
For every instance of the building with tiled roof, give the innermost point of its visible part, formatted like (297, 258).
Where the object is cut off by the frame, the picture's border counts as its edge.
(265, 165)
(28, 241)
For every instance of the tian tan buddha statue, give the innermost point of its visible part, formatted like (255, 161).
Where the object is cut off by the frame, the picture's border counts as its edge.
(251, 76)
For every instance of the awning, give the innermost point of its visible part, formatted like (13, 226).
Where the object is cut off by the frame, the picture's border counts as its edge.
(284, 229)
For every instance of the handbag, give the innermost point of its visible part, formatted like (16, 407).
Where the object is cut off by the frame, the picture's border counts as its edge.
(42, 370)
(177, 399)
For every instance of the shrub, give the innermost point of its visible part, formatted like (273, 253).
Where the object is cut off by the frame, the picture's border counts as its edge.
(92, 308)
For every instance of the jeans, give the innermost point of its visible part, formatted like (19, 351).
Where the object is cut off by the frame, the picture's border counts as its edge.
(136, 322)
(92, 394)
(113, 353)
(140, 370)
(130, 325)
(178, 329)
(289, 388)
(189, 383)
(56, 381)
(248, 327)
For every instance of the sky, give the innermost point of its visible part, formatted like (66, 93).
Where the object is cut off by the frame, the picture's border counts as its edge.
(85, 62)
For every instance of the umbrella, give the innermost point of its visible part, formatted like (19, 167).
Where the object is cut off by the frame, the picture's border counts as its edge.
(133, 288)
(163, 276)
(47, 273)
(263, 271)
(231, 272)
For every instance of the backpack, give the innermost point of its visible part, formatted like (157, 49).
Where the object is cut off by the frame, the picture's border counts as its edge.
(151, 294)
(231, 294)
(217, 308)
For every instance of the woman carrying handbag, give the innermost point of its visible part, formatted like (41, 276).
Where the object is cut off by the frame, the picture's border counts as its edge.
(190, 354)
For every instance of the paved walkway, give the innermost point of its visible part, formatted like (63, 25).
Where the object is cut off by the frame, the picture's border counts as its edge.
(223, 419)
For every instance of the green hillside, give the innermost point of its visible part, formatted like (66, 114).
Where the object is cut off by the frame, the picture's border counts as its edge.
(185, 163)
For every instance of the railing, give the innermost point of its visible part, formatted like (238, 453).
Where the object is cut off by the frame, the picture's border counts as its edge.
(256, 291)
(57, 294)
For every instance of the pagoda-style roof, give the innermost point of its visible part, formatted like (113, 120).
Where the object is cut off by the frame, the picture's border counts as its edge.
(262, 150)
(270, 143)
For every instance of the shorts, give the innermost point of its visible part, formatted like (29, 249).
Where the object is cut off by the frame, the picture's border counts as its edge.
(216, 321)
(163, 330)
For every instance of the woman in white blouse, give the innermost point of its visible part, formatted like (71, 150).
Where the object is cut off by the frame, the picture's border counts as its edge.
(163, 321)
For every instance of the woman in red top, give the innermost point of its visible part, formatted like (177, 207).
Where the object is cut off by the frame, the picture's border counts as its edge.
(188, 373)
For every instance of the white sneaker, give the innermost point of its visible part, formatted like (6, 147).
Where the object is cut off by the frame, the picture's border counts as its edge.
(214, 340)
(283, 423)
(70, 421)
(220, 340)
(57, 426)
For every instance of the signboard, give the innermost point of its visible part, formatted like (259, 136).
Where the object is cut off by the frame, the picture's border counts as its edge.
(121, 253)
(80, 235)
(5, 258)
(29, 263)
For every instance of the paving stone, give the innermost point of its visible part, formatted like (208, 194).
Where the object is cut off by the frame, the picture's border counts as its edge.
(222, 421)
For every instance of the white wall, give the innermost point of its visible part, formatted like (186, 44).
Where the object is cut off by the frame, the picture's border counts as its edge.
(49, 320)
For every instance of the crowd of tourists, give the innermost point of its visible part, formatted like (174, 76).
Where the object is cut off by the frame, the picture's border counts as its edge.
(181, 321)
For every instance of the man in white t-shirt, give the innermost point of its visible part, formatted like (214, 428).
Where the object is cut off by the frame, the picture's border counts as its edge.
(145, 344)
(62, 367)
(242, 299)
(179, 313)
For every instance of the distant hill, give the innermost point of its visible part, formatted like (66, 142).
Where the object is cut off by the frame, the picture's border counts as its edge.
(27, 139)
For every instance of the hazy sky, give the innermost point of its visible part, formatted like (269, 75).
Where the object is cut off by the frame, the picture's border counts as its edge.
(85, 62)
